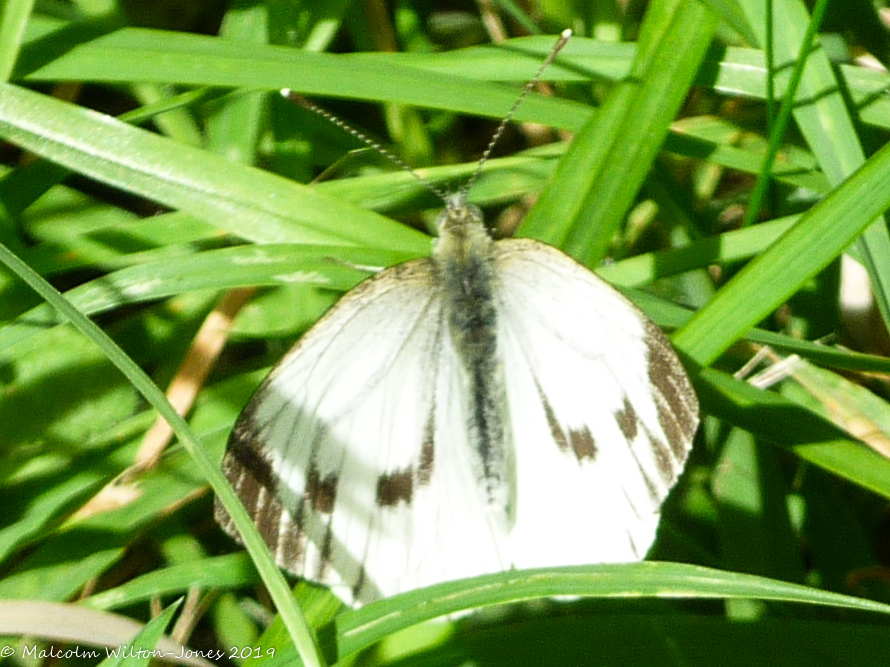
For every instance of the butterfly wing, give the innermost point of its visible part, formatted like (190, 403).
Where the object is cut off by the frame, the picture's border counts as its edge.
(352, 456)
(602, 412)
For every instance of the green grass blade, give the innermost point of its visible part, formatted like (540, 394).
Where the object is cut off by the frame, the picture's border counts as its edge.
(624, 136)
(272, 577)
(253, 204)
(14, 18)
(804, 250)
(358, 629)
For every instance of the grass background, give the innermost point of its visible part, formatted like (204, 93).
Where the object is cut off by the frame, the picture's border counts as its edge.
(651, 152)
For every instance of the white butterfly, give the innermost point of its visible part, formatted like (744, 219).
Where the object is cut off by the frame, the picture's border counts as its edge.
(494, 406)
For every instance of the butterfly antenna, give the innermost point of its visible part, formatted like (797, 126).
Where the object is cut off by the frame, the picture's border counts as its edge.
(295, 97)
(526, 89)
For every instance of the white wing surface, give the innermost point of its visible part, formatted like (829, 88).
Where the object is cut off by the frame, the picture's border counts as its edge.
(602, 412)
(353, 457)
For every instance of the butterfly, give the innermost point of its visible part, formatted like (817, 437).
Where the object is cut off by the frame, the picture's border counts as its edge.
(493, 406)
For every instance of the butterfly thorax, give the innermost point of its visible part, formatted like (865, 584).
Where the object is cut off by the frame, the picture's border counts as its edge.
(464, 260)
(463, 257)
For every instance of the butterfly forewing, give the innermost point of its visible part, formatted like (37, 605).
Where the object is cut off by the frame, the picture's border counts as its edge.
(603, 412)
(347, 455)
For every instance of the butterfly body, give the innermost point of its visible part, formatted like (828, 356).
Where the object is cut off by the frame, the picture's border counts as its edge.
(465, 270)
(493, 406)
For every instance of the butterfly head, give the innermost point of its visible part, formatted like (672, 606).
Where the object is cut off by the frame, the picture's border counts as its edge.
(460, 218)
(458, 213)
(461, 228)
